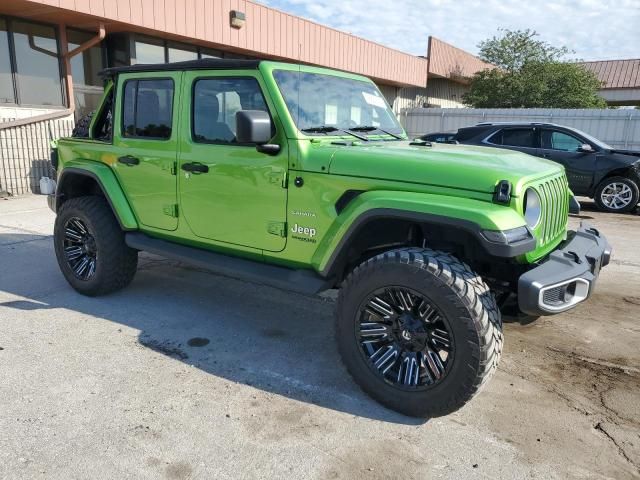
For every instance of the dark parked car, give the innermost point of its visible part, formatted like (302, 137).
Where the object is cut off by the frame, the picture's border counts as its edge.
(440, 137)
(594, 169)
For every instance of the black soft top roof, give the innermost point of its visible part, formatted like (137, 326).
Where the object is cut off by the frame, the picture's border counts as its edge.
(202, 64)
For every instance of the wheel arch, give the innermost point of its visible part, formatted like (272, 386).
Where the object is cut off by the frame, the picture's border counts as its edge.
(372, 226)
(98, 180)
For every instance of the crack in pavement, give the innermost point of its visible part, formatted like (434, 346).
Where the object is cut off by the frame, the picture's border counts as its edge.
(598, 426)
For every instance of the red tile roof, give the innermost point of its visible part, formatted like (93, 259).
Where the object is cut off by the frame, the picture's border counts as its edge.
(616, 73)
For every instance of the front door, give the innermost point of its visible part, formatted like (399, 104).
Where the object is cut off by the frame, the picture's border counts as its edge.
(230, 192)
(145, 145)
(563, 148)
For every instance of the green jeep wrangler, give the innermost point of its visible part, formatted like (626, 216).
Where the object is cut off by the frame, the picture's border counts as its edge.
(302, 178)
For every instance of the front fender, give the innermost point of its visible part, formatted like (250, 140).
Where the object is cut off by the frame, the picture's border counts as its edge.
(467, 214)
(108, 183)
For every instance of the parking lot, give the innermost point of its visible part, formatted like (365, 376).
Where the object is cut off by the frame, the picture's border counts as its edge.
(190, 375)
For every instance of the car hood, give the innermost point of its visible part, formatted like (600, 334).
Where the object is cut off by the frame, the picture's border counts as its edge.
(457, 166)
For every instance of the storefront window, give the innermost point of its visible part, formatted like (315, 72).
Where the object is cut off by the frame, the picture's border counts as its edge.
(87, 84)
(208, 53)
(150, 51)
(181, 53)
(38, 67)
(6, 80)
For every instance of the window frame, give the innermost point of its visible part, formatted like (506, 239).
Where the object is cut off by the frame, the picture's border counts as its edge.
(122, 109)
(551, 130)
(536, 137)
(15, 75)
(274, 129)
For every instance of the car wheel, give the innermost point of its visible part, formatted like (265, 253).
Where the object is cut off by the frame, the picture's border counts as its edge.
(418, 330)
(617, 195)
(90, 247)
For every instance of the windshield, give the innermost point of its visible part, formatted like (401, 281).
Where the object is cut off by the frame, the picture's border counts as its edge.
(598, 143)
(325, 104)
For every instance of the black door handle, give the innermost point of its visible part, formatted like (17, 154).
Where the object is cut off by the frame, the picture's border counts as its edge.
(195, 168)
(129, 160)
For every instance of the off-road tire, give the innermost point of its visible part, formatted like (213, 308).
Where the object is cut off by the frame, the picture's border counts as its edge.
(81, 128)
(116, 263)
(631, 183)
(462, 297)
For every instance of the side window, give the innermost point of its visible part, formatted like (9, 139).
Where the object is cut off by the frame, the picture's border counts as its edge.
(515, 137)
(148, 108)
(555, 140)
(103, 127)
(215, 103)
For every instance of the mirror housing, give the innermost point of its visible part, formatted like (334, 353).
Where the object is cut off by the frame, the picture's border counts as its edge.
(586, 148)
(253, 126)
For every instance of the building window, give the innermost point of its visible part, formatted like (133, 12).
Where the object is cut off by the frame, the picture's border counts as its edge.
(181, 53)
(37, 64)
(148, 108)
(7, 94)
(29, 64)
(150, 51)
(157, 50)
(209, 53)
(87, 84)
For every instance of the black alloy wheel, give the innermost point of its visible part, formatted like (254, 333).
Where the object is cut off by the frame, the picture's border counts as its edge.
(80, 249)
(404, 338)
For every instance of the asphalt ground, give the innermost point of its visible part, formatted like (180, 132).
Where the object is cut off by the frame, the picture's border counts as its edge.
(189, 375)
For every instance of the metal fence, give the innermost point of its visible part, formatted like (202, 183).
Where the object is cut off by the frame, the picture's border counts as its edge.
(619, 128)
(25, 151)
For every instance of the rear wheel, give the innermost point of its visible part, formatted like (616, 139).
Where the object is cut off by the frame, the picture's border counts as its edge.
(90, 247)
(418, 331)
(617, 195)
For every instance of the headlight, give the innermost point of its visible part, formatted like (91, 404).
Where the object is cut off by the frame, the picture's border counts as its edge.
(532, 208)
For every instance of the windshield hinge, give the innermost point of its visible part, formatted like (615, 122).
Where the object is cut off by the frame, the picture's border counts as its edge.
(171, 210)
(277, 228)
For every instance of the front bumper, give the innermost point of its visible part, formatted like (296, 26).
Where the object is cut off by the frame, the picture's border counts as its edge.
(567, 276)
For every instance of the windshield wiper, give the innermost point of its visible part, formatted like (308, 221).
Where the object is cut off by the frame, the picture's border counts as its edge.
(329, 129)
(371, 128)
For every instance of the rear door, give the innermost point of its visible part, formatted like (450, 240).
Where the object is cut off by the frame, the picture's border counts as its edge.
(562, 147)
(145, 145)
(522, 139)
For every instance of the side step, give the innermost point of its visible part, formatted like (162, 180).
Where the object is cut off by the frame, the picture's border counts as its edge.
(302, 281)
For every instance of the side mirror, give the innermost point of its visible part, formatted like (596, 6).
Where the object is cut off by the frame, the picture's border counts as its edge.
(586, 148)
(253, 126)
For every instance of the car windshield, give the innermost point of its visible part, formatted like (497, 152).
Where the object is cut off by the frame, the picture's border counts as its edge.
(325, 104)
(593, 140)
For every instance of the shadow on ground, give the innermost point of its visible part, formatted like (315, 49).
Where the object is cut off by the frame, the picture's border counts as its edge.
(277, 341)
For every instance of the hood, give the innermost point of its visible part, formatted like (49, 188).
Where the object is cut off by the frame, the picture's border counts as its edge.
(457, 166)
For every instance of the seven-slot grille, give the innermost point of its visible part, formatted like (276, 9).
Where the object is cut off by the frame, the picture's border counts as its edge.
(555, 208)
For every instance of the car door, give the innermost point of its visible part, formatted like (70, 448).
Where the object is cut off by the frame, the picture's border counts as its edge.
(229, 192)
(522, 139)
(145, 145)
(564, 147)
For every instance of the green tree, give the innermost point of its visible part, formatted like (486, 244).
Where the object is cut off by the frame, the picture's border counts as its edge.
(530, 73)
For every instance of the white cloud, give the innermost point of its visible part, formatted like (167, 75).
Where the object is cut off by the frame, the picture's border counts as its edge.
(607, 29)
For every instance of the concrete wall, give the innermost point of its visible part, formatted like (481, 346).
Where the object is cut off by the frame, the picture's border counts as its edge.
(618, 128)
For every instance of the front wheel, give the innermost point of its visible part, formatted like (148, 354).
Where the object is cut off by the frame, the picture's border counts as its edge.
(418, 330)
(617, 195)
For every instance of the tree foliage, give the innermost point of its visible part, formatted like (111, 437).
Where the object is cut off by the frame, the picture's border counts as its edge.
(530, 73)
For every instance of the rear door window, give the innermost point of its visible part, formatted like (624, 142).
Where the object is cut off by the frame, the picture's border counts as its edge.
(515, 137)
(148, 108)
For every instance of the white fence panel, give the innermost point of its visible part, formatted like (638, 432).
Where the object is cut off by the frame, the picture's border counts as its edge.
(618, 128)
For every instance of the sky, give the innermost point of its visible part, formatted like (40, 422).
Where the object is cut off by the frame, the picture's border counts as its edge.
(594, 30)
